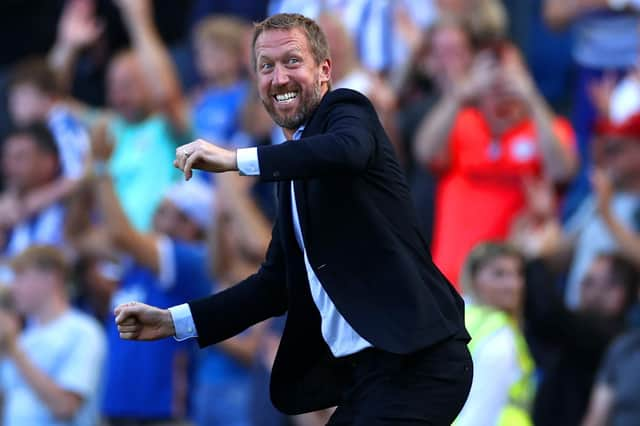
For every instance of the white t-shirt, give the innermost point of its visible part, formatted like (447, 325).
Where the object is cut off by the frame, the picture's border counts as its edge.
(495, 370)
(71, 351)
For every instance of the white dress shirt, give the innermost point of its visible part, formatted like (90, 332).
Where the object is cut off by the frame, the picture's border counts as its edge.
(338, 334)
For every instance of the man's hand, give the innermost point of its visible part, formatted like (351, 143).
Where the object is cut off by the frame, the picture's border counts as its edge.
(102, 143)
(204, 155)
(78, 26)
(481, 77)
(137, 321)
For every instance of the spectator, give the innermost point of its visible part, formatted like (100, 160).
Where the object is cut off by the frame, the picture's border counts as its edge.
(444, 58)
(348, 72)
(219, 44)
(575, 341)
(380, 42)
(605, 41)
(587, 232)
(149, 117)
(482, 153)
(615, 399)
(30, 163)
(240, 238)
(494, 283)
(166, 267)
(33, 98)
(50, 373)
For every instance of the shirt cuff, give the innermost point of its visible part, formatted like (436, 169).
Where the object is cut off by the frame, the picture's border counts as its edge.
(247, 159)
(183, 322)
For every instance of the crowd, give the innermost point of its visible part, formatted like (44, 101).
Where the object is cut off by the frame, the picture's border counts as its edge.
(517, 124)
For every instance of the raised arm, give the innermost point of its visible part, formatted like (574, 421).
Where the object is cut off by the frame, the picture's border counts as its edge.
(628, 240)
(157, 66)
(434, 131)
(143, 247)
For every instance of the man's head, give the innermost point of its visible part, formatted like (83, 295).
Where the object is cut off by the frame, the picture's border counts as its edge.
(493, 275)
(32, 90)
(610, 286)
(293, 68)
(30, 158)
(219, 42)
(186, 212)
(617, 150)
(127, 92)
(449, 49)
(40, 276)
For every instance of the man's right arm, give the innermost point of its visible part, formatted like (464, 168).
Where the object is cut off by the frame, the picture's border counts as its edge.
(216, 317)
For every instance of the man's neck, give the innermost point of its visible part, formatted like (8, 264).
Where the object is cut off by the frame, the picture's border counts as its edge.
(53, 309)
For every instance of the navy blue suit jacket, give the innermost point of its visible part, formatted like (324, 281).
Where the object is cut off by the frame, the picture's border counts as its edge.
(363, 241)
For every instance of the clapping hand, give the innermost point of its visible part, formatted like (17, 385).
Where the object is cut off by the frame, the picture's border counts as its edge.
(9, 328)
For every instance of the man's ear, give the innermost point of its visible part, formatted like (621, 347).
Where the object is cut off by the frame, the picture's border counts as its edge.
(325, 71)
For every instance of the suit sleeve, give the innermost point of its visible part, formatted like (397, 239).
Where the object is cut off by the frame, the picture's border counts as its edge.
(263, 295)
(347, 146)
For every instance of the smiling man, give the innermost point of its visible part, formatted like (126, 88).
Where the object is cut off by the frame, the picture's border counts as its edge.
(372, 327)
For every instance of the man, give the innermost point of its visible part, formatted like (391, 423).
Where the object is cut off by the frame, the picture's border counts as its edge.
(372, 325)
(569, 345)
(147, 115)
(30, 162)
(50, 373)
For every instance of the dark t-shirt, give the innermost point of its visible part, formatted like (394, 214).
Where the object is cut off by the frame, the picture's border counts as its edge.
(620, 371)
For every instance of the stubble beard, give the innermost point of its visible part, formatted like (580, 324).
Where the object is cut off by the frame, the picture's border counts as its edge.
(302, 114)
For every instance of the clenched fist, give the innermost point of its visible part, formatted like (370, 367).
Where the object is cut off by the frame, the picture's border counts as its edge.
(137, 321)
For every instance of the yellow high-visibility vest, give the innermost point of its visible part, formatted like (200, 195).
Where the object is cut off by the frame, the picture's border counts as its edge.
(482, 322)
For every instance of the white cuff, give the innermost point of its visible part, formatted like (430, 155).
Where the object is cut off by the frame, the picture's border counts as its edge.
(247, 159)
(183, 322)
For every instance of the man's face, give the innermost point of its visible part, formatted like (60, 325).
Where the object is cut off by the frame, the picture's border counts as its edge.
(126, 89)
(169, 220)
(20, 162)
(31, 289)
(600, 294)
(290, 82)
(27, 104)
(621, 158)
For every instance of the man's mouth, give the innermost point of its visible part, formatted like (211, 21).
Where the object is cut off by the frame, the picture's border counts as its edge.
(284, 98)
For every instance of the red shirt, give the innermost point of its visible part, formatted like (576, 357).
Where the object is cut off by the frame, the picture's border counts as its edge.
(480, 190)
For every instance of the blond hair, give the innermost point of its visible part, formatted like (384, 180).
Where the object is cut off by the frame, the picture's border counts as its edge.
(289, 21)
(227, 31)
(43, 258)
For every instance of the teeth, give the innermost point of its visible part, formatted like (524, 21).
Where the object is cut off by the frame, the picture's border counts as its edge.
(286, 96)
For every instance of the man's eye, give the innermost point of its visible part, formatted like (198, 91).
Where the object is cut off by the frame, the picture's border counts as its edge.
(265, 67)
(293, 60)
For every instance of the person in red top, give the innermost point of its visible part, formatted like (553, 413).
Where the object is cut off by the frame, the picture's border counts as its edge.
(484, 137)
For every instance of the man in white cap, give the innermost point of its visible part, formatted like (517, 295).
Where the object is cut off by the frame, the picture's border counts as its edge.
(164, 267)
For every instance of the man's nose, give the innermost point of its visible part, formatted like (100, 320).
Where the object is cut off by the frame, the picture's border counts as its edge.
(280, 76)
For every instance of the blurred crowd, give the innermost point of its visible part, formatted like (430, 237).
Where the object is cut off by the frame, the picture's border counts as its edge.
(517, 123)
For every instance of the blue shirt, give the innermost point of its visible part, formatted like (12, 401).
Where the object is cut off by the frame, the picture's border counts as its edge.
(216, 115)
(72, 140)
(139, 377)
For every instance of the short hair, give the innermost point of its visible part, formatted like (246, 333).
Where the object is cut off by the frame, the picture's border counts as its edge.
(226, 30)
(624, 272)
(480, 256)
(41, 136)
(44, 258)
(35, 71)
(289, 21)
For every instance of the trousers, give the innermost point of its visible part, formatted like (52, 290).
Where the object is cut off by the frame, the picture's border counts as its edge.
(427, 387)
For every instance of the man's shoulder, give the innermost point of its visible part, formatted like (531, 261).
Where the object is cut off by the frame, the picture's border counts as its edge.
(346, 96)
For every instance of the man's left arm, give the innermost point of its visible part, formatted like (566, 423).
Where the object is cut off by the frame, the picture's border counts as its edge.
(346, 147)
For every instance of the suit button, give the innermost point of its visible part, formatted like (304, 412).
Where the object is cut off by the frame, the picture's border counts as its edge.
(276, 174)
